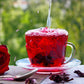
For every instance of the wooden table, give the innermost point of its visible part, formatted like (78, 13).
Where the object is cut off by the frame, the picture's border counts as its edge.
(43, 79)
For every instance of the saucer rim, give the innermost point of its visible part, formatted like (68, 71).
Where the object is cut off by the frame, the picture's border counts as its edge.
(63, 66)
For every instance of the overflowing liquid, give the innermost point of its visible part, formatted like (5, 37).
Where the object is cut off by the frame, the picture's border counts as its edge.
(46, 47)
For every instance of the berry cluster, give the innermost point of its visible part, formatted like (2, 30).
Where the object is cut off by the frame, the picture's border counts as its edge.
(42, 60)
(79, 73)
(60, 78)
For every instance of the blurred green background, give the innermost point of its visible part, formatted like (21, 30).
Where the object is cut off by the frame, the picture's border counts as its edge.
(18, 16)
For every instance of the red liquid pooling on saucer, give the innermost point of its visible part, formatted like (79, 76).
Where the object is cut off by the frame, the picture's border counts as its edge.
(46, 47)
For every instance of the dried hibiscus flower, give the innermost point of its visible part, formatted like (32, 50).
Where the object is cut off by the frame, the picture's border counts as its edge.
(79, 73)
(30, 81)
(59, 78)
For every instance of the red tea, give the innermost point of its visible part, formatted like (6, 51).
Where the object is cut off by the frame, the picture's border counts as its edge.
(46, 47)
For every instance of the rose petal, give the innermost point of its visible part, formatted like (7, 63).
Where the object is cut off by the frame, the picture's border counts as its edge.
(5, 58)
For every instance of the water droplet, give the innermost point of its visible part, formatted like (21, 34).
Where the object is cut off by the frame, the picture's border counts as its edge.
(14, 58)
(38, 11)
(36, 1)
(17, 30)
(31, 20)
(68, 3)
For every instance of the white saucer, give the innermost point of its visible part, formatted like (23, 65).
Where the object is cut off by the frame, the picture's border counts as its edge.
(25, 63)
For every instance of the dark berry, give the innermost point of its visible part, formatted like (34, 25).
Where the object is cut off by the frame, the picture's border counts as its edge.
(42, 59)
(59, 78)
(30, 81)
(79, 73)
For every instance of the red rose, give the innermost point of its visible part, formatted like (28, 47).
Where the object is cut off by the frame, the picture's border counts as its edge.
(4, 59)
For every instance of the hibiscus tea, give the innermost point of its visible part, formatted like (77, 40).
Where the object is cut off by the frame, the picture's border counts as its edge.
(46, 47)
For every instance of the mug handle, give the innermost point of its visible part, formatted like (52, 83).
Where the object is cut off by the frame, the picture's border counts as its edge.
(72, 53)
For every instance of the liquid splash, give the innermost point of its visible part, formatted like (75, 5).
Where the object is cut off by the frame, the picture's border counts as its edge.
(49, 12)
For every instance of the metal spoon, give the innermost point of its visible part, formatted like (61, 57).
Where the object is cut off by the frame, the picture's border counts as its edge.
(18, 77)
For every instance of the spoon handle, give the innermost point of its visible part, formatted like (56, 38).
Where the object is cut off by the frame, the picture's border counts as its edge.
(17, 77)
(22, 77)
(7, 79)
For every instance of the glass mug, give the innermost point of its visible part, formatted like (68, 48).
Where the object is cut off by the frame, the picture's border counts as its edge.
(47, 47)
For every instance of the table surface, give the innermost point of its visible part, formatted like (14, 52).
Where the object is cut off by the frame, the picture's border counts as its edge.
(43, 79)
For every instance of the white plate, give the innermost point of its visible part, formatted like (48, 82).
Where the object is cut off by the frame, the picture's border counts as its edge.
(25, 63)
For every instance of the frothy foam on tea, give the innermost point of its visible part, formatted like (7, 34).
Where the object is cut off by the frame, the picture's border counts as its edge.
(46, 32)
